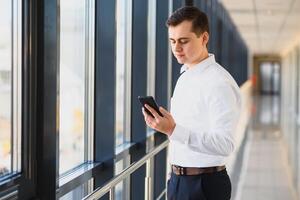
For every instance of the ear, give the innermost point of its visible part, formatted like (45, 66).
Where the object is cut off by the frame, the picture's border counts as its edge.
(205, 38)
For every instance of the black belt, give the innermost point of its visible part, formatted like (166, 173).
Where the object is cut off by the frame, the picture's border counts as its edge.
(183, 171)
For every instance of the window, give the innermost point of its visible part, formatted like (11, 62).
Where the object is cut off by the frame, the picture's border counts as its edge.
(76, 83)
(10, 87)
(270, 72)
(123, 71)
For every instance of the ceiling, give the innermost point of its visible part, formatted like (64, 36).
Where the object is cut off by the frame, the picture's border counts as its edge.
(267, 26)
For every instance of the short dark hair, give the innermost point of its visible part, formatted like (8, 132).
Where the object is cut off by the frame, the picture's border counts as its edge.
(190, 13)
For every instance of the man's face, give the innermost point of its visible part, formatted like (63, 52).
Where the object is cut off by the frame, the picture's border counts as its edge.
(187, 47)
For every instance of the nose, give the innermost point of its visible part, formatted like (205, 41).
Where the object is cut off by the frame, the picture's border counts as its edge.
(177, 47)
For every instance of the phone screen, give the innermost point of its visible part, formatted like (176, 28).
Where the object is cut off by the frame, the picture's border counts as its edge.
(149, 100)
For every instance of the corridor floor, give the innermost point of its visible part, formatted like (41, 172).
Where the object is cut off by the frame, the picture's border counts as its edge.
(266, 172)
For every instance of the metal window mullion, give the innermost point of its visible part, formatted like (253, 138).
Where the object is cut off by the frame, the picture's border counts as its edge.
(128, 69)
(14, 87)
(89, 80)
(116, 6)
(86, 81)
(151, 22)
(89, 187)
(151, 48)
(149, 179)
(92, 79)
(17, 84)
(169, 75)
(126, 186)
(169, 85)
(116, 172)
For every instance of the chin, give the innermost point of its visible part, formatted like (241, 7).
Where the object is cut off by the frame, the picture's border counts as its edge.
(180, 61)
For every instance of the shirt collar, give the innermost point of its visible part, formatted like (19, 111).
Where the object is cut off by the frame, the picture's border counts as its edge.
(183, 69)
(202, 65)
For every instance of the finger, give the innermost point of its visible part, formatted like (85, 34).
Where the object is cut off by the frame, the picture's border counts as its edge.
(153, 112)
(149, 123)
(144, 112)
(164, 112)
(147, 117)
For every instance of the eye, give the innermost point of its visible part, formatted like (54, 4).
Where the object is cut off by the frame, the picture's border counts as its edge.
(184, 41)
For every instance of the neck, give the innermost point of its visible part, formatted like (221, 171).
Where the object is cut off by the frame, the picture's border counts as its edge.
(202, 57)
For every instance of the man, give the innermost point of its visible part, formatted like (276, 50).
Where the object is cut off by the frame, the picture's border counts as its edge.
(204, 111)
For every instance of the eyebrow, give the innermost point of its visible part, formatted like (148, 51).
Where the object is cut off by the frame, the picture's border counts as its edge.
(183, 38)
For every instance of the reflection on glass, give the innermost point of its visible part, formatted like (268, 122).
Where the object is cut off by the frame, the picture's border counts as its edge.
(79, 192)
(72, 83)
(123, 16)
(122, 189)
(119, 187)
(5, 86)
(268, 110)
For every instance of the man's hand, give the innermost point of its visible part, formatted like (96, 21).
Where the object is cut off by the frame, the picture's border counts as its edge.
(165, 124)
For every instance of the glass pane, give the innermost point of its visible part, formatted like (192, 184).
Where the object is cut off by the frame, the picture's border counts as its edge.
(123, 24)
(72, 83)
(122, 189)
(79, 192)
(266, 76)
(119, 187)
(276, 78)
(5, 86)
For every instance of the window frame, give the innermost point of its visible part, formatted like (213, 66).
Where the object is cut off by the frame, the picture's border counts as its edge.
(151, 53)
(127, 79)
(89, 136)
(17, 86)
(22, 183)
(16, 91)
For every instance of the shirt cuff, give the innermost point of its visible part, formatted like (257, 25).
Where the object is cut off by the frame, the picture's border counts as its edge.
(180, 134)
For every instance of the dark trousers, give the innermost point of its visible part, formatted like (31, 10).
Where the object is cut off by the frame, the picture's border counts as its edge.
(211, 186)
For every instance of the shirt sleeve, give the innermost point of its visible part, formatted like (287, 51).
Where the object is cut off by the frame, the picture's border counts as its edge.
(224, 104)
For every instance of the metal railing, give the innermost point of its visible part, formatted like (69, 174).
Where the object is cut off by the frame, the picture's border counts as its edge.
(108, 187)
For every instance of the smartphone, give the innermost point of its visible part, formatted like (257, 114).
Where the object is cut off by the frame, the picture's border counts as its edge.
(149, 100)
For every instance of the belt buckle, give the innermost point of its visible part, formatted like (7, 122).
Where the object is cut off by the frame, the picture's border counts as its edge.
(180, 170)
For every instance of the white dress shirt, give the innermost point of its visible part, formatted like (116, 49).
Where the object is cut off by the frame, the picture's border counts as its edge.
(205, 106)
